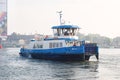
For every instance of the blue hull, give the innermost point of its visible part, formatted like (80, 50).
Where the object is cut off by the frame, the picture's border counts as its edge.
(69, 53)
(63, 57)
(74, 53)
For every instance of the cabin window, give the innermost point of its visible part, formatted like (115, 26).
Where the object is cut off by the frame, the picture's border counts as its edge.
(34, 46)
(61, 44)
(50, 45)
(37, 46)
(40, 46)
(55, 44)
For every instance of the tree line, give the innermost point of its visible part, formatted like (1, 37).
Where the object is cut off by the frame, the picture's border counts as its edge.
(102, 41)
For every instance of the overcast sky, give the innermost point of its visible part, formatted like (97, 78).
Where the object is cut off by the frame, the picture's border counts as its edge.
(38, 16)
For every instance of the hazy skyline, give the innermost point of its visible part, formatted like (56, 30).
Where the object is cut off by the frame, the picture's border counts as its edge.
(93, 16)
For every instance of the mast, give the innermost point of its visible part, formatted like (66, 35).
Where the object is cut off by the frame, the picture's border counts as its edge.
(60, 18)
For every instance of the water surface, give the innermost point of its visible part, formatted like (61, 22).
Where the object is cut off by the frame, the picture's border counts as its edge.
(14, 67)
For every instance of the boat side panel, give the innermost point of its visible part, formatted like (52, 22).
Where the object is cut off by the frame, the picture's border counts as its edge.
(64, 50)
(66, 53)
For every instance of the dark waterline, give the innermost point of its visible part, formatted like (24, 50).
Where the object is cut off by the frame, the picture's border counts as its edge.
(14, 67)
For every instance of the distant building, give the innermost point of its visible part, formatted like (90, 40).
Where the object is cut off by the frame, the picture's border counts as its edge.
(3, 21)
(3, 18)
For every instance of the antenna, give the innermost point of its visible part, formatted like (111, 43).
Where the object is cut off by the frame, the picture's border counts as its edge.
(60, 14)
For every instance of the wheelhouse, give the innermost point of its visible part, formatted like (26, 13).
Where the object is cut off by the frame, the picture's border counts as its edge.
(65, 30)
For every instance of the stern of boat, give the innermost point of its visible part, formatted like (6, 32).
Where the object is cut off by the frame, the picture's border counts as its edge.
(91, 49)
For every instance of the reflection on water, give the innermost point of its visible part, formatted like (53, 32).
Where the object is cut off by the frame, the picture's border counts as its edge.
(14, 67)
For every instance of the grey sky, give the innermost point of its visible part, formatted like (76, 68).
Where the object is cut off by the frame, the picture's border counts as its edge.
(93, 16)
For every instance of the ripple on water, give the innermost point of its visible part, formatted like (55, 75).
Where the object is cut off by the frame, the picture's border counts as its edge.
(14, 67)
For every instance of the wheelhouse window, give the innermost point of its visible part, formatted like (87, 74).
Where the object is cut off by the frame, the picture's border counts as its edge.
(57, 32)
(65, 31)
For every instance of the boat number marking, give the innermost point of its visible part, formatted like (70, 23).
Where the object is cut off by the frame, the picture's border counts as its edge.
(74, 48)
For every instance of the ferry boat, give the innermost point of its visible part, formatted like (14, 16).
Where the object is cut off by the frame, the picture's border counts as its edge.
(64, 45)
